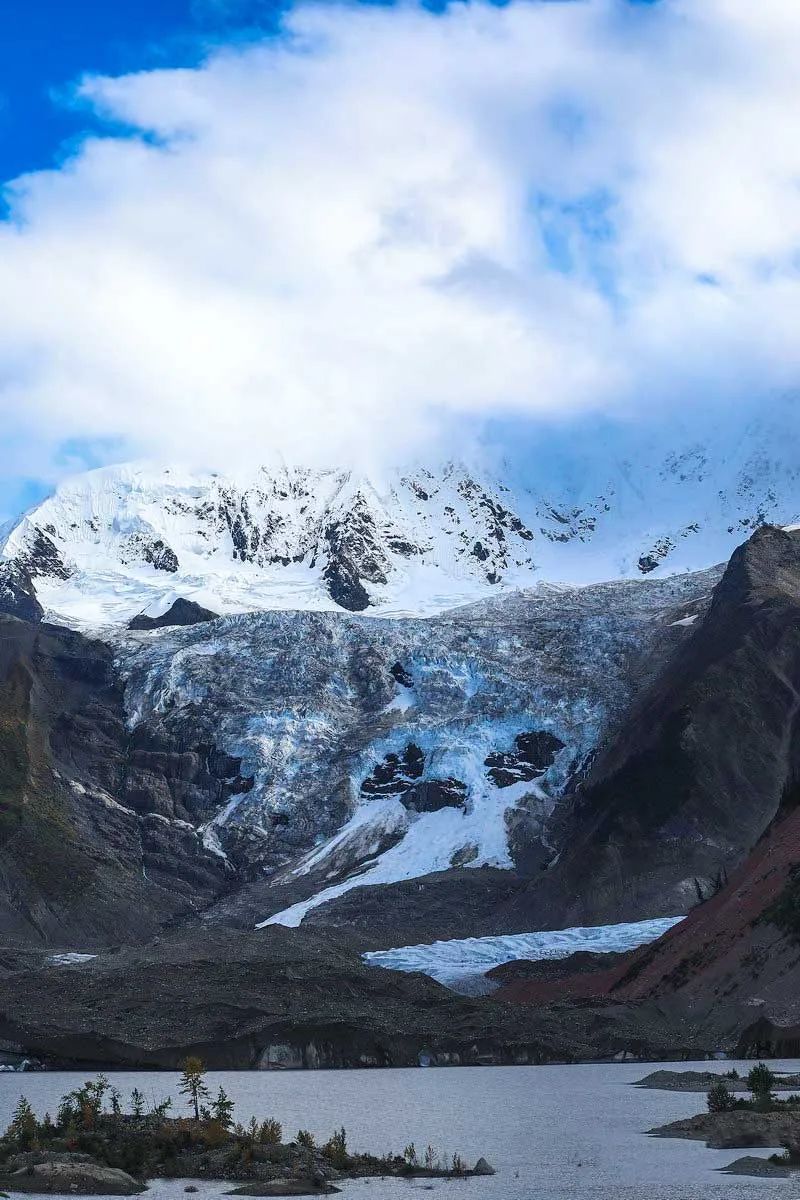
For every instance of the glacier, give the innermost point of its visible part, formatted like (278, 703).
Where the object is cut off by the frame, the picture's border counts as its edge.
(382, 749)
(455, 961)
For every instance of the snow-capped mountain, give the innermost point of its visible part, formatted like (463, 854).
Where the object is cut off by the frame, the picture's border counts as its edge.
(123, 540)
(120, 540)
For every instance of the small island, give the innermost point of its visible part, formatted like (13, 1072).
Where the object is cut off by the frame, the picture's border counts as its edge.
(96, 1145)
(734, 1121)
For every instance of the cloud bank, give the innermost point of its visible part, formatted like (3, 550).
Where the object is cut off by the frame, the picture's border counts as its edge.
(362, 239)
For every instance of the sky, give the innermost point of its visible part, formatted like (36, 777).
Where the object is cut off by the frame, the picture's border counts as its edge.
(365, 234)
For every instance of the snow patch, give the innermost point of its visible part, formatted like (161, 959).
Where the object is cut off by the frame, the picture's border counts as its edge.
(69, 958)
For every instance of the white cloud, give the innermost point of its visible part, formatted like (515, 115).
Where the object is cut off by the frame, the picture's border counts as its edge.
(379, 229)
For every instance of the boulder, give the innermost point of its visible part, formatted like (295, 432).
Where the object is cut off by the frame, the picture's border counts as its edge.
(77, 1178)
(482, 1167)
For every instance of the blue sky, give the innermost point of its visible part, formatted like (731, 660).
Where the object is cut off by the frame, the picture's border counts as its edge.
(46, 44)
(352, 233)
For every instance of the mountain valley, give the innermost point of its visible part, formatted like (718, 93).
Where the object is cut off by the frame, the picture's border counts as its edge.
(287, 788)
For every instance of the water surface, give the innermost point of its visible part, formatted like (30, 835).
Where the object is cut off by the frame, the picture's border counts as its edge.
(551, 1132)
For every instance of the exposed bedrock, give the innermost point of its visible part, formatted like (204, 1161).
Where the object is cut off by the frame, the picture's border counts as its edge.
(700, 765)
(180, 612)
(17, 594)
(98, 838)
(533, 753)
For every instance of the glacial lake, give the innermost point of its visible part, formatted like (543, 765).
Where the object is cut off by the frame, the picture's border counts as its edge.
(551, 1132)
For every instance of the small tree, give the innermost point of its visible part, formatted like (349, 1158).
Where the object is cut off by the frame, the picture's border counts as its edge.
(222, 1108)
(137, 1103)
(719, 1098)
(271, 1132)
(23, 1125)
(336, 1148)
(193, 1083)
(305, 1139)
(159, 1111)
(761, 1082)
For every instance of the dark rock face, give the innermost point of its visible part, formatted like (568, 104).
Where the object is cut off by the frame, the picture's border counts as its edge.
(533, 753)
(549, 970)
(432, 794)
(97, 842)
(401, 775)
(17, 594)
(701, 765)
(180, 612)
(401, 675)
(42, 558)
(140, 547)
(396, 774)
(353, 556)
(161, 556)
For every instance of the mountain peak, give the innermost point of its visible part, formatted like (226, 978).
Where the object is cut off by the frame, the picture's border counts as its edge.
(112, 542)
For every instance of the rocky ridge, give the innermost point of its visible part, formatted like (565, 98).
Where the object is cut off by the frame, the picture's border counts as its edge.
(114, 542)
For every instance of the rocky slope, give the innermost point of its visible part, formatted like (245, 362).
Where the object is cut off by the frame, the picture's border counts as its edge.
(701, 764)
(289, 998)
(97, 822)
(729, 971)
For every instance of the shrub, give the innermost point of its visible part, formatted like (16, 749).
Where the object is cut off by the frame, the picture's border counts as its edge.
(305, 1139)
(719, 1098)
(336, 1148)
(271, 1132)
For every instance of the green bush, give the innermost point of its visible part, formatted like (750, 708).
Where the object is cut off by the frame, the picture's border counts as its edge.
(271, 1132)
(719, 1098)
(336, 1148)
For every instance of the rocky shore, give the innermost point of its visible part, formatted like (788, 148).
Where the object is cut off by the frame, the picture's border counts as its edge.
(96, 1145)
(736, 1130)
(733, 1122)
(701, 1081)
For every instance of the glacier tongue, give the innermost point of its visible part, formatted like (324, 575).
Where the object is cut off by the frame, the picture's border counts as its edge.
(378, 750)
(451, 962)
